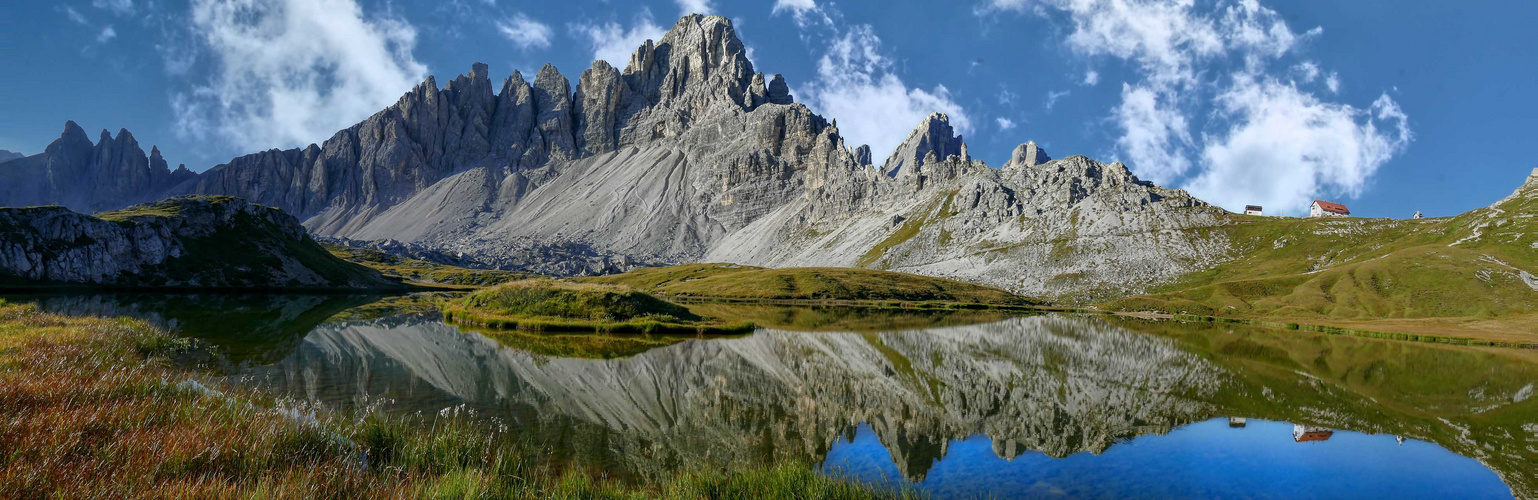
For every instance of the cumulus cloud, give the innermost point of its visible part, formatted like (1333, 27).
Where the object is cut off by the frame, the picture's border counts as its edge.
(291, 72)
(1154, 133)
(524, 32)
(1280, 144)
(1286, 146)
(1091, 78)
(686, 7)
(856, 85)
(1005, 123)
(106, 34)
(614, 43)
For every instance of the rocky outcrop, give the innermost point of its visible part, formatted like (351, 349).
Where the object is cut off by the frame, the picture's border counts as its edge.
(686, 154)
(1027, 155)
(206, 242)
(932, 141)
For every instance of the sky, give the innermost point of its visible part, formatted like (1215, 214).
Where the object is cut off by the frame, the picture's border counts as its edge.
(1387, 106)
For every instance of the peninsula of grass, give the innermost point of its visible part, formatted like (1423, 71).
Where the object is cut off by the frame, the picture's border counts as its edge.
(825, 285)
(548, 305)
(97, 408)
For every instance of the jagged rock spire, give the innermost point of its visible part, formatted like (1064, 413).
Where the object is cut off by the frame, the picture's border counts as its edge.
(1027, 155)
(934, 136)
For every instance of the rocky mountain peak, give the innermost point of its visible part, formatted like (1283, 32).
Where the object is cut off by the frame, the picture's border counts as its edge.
(862, 156)
(699, 60)
(1027, 155)
(934, 135)
(73, 137)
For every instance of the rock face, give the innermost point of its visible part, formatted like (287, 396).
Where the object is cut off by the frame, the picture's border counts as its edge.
(686, 154)
(112, 173)
(932, 141)
(219, 242)
(1027, 155)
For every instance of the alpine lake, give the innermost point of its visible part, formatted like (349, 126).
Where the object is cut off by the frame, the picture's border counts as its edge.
(955, 404)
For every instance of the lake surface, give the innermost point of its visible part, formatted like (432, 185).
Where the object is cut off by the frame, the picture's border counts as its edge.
(954, 404)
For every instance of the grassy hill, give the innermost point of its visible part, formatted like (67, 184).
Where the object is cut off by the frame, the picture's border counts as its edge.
(552, 305)
(1473, 272)
(728, 281)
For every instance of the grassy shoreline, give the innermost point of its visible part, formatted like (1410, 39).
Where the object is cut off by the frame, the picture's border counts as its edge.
(96, 407)
(1329, 329)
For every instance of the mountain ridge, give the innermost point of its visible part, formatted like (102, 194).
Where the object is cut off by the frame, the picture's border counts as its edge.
(688, 154)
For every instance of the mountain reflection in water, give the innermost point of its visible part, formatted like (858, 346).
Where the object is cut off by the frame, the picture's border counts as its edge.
(1058, 401)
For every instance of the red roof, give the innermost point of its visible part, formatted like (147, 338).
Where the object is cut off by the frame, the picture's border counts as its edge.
(1313, 436)
(1332, 207)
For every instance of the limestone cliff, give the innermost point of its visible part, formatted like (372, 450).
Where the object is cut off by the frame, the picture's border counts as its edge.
(204, 242)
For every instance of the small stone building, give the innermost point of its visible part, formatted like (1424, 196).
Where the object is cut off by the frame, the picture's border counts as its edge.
(1322, 208)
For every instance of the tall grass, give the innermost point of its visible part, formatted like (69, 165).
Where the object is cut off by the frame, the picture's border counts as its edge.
(96, 408)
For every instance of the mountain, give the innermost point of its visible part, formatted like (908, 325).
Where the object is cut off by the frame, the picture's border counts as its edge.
(204, 242)
(688, 154)
(112, 173)
(9, 155)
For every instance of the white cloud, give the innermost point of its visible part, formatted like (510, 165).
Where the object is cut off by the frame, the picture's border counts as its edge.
(797, 7)
(1154, 134)
(1006, 97)
(1004, 123)
(1286, 147)
(120, 7)
(1052, 98)
(1306, 71)
(615, 43)
(75, 16)
(686, 7)
(856, 85)
(1281, 145)
(107, 34)
(806, 12)
(1091, 78)
(524, 32)
(292, 72)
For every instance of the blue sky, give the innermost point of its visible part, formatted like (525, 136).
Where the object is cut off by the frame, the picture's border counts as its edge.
(1387, 106)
